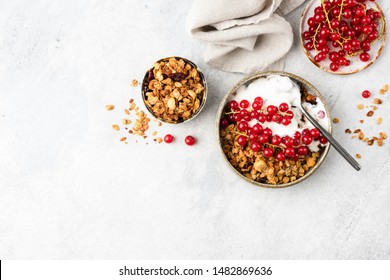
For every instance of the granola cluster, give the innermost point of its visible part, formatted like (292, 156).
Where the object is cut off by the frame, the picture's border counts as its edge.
(255, 166)
(174, 90)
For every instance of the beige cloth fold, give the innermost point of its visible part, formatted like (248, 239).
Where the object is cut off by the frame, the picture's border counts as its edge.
(242, 35)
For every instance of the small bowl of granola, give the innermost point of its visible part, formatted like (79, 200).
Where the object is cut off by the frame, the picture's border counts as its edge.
(264, 137)
(174, 90)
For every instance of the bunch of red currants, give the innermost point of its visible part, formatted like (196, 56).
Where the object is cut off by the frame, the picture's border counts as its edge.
(340, 29)
(260, 137)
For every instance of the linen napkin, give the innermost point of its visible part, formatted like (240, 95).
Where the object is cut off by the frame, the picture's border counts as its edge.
(242, 35)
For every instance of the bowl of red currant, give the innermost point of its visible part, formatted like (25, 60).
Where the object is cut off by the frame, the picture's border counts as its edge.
(264, 137)
(343, 36)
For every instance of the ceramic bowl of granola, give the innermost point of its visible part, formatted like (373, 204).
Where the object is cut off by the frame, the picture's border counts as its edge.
(174, 90)
(267, 140)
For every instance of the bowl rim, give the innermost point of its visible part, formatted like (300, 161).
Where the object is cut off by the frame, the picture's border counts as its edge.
(309, 56)
(255, 76)
(203, 79)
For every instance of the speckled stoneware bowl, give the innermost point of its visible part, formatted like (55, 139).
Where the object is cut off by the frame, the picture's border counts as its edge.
(250, 79)
(202, 103)
(356, 64)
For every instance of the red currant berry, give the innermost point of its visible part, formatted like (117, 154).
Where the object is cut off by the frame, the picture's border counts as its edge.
(288, 141)
(315, 133)
(244, 113)
(277, 118)
(261, 118)
(364, 56)
(242, 140)
(306, 139)
(283, 107)
(256, 105)
(254, 114)
(263, 138)
(276, 140)
(366, 94)
(242, 126)
(190, 140)
(323, 140)
(244, 104)
(271, 109)
(285, 121)
(169, 138)
(233, 105)
(268, 152)
(237, 117)
(280, 156)
(259, 100)
(257, 128)
(267, 131)
(297, 135)
(253, 137)
(290, 152)
(303, 151)
(256, 147)
(223, 123)
(306, 131)
(334, 67)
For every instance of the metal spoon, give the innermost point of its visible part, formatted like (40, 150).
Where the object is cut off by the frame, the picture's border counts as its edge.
(330, 138)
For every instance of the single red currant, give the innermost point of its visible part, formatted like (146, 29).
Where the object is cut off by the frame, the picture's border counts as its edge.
(256, 147)
(233, 105)
(366, 94)
(242, 126)
(169, 138)
(306, 139)
(303, 151)
(244, 104)
(271, 109)
(189, 140)
(315, 133)
(268, 152)
(223, 123)
(323, 140)
(276, 140)
(280, 156)
(242, 140)
(283, 107)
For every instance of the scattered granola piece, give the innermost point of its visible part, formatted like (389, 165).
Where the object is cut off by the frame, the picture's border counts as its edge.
(382, 91)
(127, 112)
(386, 87)
(361, 121)
(134, 83)
(110, 107)
(357, 130)
(126, 121)
(115, 127)
(370, 142)
(131, 101)
(379, 120)
(154, 133)
(159, 139)
(383, 135)
(370, 113)
(159, 123)
(358, 156)
(361, 135)
(380, 142)
(132, 105)
(348, 131)
(360, 106)
(336, 120)
(378, 101)
(123, 139)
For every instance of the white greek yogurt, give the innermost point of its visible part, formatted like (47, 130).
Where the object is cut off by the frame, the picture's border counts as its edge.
(276, 89)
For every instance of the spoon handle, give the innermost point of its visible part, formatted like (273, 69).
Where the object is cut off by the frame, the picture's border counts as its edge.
(332, 141)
